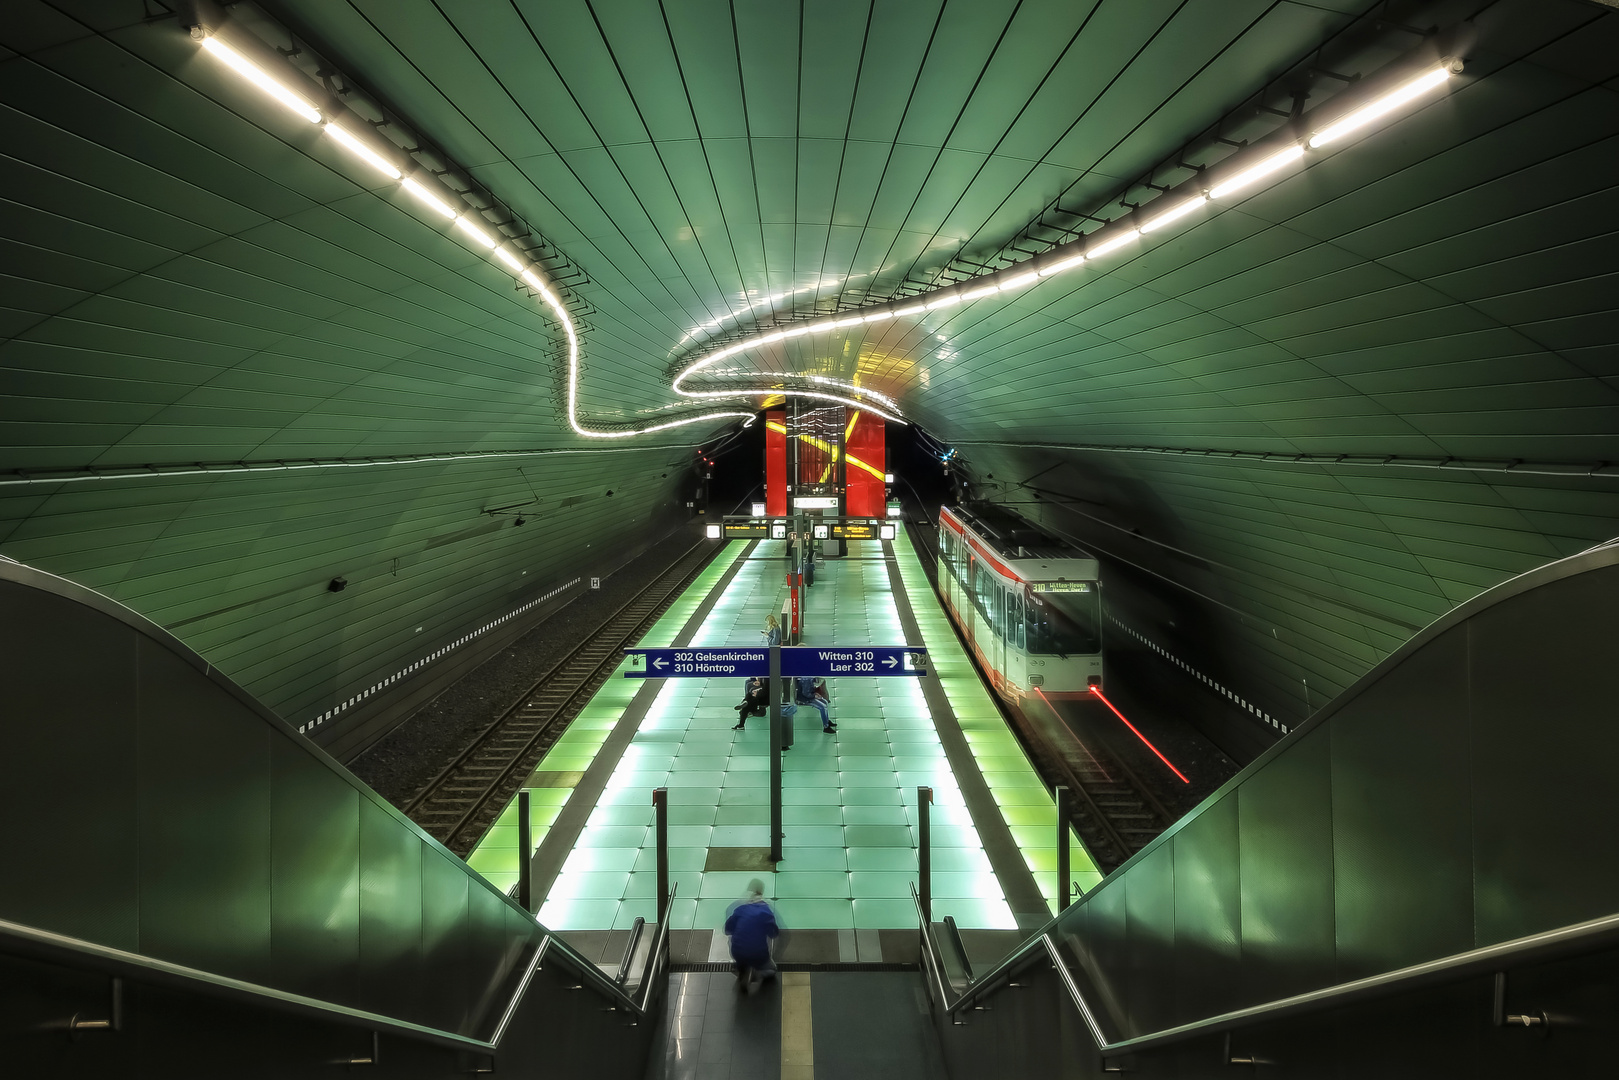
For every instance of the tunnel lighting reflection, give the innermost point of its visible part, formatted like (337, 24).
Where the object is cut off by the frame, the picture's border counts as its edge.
(260, 78)
(1145, 741)
(1384, 105)
(362, 151)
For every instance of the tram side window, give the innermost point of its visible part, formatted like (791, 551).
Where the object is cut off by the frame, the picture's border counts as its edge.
(987, 589)
(1014, 619)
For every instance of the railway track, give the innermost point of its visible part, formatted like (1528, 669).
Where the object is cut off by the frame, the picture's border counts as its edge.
(459, 803)
(1111, 810)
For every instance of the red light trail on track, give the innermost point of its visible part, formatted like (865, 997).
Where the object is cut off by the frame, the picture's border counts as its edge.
(1145, 741)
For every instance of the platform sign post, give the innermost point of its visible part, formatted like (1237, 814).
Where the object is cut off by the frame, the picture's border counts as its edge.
(525, 854)
(660, 803)
(924, 852)
(775, 754)
(1063, 888)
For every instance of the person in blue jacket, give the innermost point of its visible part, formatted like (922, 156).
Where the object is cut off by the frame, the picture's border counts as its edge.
(751, 925)
(806, 692)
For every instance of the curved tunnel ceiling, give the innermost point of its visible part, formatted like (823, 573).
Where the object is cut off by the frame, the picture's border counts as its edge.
(1351, 398)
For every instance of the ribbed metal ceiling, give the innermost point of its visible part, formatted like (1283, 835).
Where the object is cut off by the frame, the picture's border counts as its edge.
(193, 275)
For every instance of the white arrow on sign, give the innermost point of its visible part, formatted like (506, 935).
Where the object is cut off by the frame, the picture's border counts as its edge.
(660, 662)
(889, 661)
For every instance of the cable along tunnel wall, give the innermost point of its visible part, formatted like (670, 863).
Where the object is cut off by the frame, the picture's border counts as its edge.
(157, 815)
(1457, 797)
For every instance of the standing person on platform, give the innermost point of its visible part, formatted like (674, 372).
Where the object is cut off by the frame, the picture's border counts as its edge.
(751, 925)
(772, 631)
(806, 692)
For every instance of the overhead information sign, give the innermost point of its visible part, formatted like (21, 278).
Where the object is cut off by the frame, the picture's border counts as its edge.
(880, 660)
(718, 663)
(796, 661)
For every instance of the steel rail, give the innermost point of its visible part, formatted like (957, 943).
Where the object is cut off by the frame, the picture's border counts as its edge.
(489, 729)
(672, 582)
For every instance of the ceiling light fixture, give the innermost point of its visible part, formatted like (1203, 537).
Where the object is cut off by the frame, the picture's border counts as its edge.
(1386, 104)
(1255, 173)
(256, 75)
(465, 225)
(362, 151)
(1058, 267)
(428, 198)
(1174, 213)
(1105, 241)
(300, 105)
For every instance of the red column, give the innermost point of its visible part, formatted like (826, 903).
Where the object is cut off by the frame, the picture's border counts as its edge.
(866, 465)
(776, 463)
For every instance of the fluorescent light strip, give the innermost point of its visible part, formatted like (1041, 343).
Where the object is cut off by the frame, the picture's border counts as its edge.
(786, 391)
(1058, 267)
(1352, 122)
(1174, 213)
(270, 86)
(1237, 182)
(362, 151)
(822, 379)
(1381, 106)
(1255, 173)
(465, 225)
(262, 79)
(428, 198)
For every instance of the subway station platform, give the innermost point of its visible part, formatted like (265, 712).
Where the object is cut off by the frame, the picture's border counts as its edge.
(849, 815)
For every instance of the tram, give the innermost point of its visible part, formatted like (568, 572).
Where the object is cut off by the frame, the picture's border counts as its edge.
(1029, 604)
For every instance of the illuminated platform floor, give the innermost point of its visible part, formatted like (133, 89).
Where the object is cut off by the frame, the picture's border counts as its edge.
(849, 798)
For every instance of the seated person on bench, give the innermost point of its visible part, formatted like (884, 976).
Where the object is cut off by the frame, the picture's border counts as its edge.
(755, 701)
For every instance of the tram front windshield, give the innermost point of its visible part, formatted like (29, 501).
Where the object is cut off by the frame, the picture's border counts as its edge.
(1063, 623)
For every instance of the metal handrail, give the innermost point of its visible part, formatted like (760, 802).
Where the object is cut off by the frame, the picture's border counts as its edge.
(954, 932)
(932, 958)
(1547, 945)
(31, 941)
(657, 960)
(60, 948)
(629, 951)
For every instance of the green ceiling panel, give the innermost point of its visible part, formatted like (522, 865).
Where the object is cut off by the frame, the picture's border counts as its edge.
(192, 275)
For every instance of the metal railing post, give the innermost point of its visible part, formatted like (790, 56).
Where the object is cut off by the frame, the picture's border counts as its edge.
(660, 804)
(924, 852)
(775, 753)
(1063, 875)
(525, 853)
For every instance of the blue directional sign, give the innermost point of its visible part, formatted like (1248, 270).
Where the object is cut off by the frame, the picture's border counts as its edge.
(698, 663)
(831, 661)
